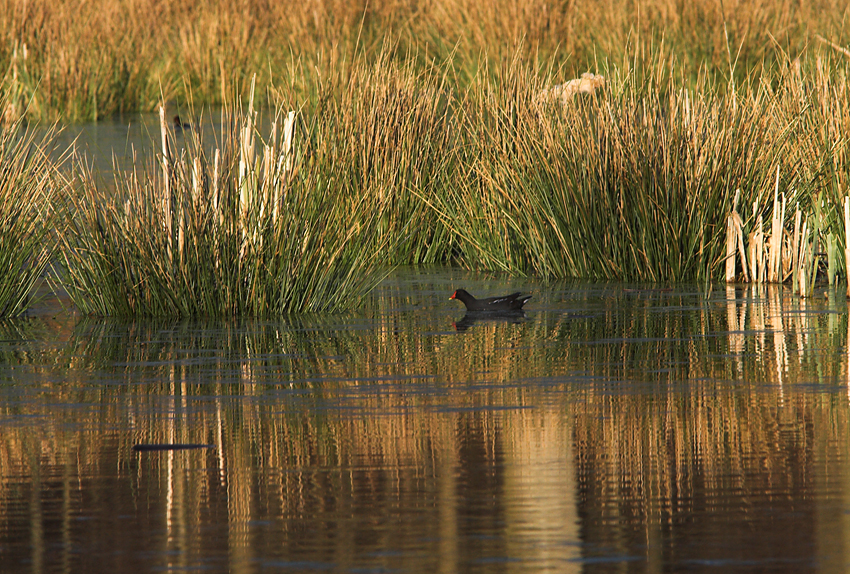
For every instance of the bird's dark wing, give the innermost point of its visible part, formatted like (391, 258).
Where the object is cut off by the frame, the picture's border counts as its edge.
(504, 299)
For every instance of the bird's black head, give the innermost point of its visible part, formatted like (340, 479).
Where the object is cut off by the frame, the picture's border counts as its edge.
(459, 294)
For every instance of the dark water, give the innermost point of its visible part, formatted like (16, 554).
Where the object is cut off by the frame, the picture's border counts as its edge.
(608, 430)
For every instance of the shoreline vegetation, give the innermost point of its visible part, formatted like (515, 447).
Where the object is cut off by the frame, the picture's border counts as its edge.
(675, 144)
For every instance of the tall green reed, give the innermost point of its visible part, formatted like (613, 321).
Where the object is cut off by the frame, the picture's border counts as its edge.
(391, 144)
(28, 225)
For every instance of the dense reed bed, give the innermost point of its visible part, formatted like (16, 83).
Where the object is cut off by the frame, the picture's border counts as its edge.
(27, 218)
(390, 140)
(84, 61)
(643, 168)
(634, 181)
(307, 217)
(630, 175)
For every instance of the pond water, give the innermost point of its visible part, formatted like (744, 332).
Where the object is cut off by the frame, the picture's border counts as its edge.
(126, 140)
(611, 429)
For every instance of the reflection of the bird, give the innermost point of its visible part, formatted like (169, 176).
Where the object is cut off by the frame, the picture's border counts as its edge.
(473, 317)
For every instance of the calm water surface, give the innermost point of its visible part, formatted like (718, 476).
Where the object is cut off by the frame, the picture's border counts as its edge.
(608, 430)
(128, 140)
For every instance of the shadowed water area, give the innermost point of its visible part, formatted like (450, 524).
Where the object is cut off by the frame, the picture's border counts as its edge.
(611, 428)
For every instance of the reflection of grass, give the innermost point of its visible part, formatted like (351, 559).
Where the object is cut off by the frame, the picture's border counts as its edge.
(311, 414)
(647, 399)
(611, 336)
(27, 222)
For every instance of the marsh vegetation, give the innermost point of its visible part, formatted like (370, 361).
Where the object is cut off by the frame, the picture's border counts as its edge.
(406, 133)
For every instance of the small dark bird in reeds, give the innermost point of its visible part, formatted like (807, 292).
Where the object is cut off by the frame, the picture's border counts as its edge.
(180, 125)
(512, 302)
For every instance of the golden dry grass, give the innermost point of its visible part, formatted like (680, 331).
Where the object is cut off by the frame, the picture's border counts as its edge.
(81, 61)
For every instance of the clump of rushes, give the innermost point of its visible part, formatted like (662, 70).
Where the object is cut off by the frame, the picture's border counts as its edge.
(27, 221)
(284, 224)
(632, 182)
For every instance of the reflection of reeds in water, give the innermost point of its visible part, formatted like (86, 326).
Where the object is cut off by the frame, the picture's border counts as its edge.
(735, 428)
(631, 417)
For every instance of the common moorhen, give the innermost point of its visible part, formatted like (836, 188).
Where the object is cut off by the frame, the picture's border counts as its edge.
(180, 124)
(512, 302)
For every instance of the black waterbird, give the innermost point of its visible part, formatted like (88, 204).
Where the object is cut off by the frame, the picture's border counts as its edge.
(512, 302)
